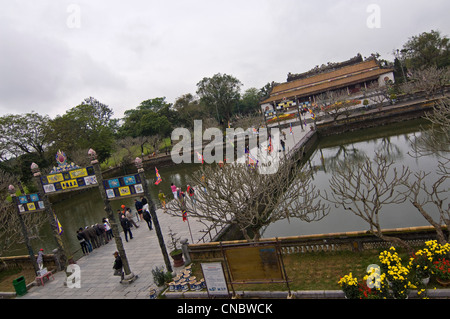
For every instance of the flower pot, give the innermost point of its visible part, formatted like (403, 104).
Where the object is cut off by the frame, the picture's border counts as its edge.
(178, 260)
(443, 282)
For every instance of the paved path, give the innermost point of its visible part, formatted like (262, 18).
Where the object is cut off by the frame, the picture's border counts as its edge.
(143, 253)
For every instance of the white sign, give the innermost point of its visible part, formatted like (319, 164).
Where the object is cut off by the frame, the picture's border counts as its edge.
(214, 279)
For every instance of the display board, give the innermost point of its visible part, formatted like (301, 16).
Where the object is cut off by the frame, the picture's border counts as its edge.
(69, 180)
(125, 186)
(214, 276)
(254, 264)
(30, 203)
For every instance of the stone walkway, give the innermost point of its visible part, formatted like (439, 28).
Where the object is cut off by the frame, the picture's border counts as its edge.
(143, 253)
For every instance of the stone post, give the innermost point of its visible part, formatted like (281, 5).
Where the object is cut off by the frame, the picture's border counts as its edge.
(12, 191)
(162, 245)
(129, 275)
(51, 216)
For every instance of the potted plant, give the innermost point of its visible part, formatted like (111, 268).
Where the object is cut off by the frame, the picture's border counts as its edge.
(420, 264)
(400, 281)
(441, 268)
(161, 277)
(176, 253)
(349, 286)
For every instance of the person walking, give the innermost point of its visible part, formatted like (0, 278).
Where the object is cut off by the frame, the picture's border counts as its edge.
(147, 217)
(143, 201)
(162, 199)
(174, 190)
(126, 227)
(129, 215)
(138, 206)
(118, 266)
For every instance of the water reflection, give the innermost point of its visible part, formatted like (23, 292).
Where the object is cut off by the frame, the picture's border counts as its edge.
(331, 152)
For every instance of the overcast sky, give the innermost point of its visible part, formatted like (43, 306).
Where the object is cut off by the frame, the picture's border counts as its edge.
(56, 53)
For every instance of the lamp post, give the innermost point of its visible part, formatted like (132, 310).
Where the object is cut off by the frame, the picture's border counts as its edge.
(162, 245)
(12, 191)
(50, 215)
(129, 275)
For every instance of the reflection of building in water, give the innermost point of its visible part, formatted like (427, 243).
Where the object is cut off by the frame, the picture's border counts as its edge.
(352, 75)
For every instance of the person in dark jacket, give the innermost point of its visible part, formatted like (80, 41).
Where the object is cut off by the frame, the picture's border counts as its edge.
(82, 240)
(147, 217)
(126, 227)
(138, 206)
(92, 236)
(118, 265)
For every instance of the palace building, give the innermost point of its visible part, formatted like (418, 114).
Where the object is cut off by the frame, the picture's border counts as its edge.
(351, 75)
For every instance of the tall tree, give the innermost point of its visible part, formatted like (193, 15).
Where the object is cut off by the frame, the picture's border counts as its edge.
(426, 50)
(23, 134)
(249, 102)
(220, 94)
(88, 125)
(151, 117)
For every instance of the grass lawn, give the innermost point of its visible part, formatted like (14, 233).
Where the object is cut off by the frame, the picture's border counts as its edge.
(318, 271)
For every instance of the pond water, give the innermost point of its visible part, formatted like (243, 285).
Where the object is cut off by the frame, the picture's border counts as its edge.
(394, 141)
(87, 208)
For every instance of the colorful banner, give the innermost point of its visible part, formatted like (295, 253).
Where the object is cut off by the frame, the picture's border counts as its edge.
(74, 179)
(30, 203)
(119, 187)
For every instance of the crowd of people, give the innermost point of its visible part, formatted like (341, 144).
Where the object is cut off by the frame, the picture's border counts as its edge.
(94, 236)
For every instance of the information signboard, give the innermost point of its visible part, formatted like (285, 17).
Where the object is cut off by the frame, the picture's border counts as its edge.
(254, 264)
(214, 276)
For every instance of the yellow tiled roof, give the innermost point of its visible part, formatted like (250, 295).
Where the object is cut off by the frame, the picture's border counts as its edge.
(348, 75)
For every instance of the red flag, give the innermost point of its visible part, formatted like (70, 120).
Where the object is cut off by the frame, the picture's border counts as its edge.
(184, 215)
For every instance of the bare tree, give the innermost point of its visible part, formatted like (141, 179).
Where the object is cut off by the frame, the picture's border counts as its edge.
(335, 104)
(378, 94)
(422, 196)
(423, 192)
(365, 187)
(431, 80)
(238, 194)
(10, 230)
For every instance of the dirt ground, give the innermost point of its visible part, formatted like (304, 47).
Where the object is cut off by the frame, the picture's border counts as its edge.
(6, 284)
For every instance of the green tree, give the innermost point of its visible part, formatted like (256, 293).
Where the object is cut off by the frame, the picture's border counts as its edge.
(23, 134)
(249, 102)
(151, 117)
(88, 125)
(426, 50)
(220, 94)
(189, 108)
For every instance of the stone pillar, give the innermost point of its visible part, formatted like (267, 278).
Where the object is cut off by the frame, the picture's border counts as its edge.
(151, 205)
(12, 191)
(51, 216)
(129, 275)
